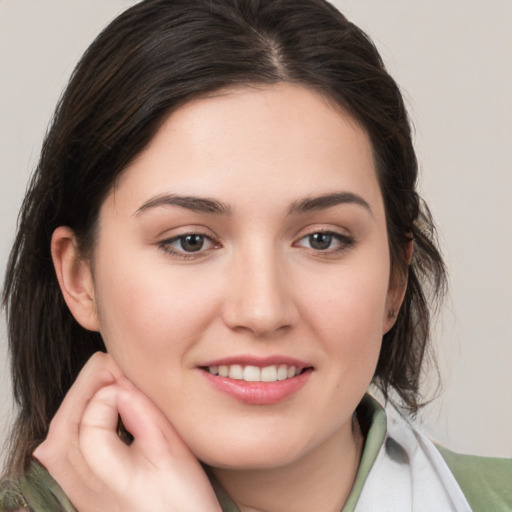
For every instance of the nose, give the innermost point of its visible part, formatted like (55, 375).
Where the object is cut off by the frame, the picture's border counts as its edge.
(260, 297)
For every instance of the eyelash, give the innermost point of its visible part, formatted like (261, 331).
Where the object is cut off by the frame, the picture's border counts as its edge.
(165, 245)
(346, 242)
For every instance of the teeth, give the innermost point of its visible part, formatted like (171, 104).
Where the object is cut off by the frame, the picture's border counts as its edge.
(255, 374)
(236, 372)
(252, 374)
(269, 374)
(282, 372)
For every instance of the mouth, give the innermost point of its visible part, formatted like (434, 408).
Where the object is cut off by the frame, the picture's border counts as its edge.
(250, 373)
(257, 381)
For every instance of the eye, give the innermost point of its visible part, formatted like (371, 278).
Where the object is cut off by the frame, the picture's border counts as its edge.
(320, 241)
(191, 243)
(325, 241)
(188, 244)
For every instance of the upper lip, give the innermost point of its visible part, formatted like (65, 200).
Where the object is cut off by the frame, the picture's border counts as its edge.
(260, 362)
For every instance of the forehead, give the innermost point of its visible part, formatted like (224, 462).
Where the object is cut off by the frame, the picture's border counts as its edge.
(281, 142)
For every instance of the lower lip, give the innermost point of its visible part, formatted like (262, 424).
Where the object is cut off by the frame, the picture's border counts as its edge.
(258, 393)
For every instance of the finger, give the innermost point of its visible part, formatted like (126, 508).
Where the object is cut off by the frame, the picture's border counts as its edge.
(99, 371)
(156, 468)
(155, 440)
(107, 456)
(157, 446)
(60, 452)
(152, 431)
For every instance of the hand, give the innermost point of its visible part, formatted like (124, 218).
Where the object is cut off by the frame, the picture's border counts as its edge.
(98, 471)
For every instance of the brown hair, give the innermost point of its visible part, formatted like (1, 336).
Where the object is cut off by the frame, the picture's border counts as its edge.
(152, 59)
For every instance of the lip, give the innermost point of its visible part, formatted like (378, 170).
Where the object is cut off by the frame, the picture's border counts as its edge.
(258, 393)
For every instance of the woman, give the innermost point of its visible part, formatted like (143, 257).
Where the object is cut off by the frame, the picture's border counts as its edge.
(223, 247)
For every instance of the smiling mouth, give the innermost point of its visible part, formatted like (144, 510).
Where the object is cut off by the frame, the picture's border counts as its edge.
(249, 373)
(255, 381)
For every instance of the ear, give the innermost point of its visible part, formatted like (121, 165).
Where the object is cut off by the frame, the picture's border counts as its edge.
(75, 278)
(396, 292)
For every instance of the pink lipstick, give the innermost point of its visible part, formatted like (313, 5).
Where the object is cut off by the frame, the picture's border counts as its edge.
(257, 381)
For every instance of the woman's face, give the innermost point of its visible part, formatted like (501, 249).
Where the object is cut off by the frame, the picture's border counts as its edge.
(247, 243)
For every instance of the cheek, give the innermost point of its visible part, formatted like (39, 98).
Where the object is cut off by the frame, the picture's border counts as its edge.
(150, 316)
(350, 300)
(347, 312)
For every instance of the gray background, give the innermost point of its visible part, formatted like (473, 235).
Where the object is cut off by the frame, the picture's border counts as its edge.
(453, 59)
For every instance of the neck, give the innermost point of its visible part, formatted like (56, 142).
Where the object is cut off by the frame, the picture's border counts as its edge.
(320, 480)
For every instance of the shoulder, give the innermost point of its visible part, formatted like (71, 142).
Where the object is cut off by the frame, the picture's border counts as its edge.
(485, 481)
(34, 491)
(11, 496)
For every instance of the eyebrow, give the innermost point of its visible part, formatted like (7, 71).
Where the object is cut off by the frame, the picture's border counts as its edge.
(207, 205)
(196, 204)
(327, 201)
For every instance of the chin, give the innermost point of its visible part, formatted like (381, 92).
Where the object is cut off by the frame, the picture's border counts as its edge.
(259, 460)
(252, 454)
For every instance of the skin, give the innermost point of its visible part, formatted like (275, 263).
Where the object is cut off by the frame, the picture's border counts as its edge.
(259, 286)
